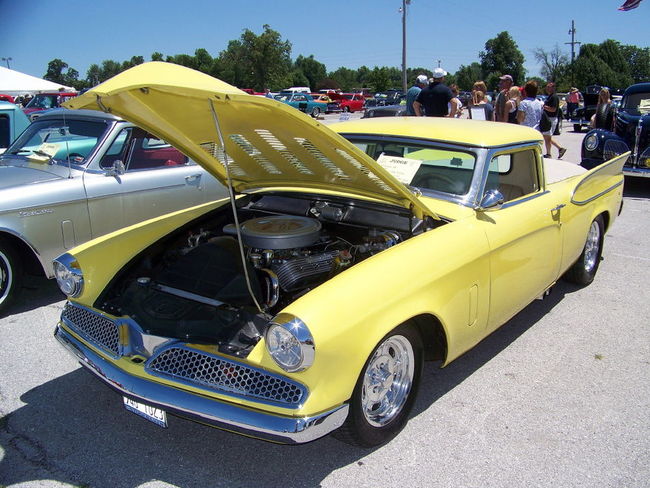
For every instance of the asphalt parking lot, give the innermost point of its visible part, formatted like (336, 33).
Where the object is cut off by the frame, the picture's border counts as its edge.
(557, 397)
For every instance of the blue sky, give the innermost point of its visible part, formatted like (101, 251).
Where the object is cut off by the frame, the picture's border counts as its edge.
(338, 33)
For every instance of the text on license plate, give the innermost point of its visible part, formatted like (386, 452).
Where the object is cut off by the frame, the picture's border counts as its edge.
(155, 415)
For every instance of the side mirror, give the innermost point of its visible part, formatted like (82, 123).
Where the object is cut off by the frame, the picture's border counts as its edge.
(117, 169)
(492, 200)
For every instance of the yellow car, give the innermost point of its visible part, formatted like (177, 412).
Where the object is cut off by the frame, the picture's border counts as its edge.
(307, 302)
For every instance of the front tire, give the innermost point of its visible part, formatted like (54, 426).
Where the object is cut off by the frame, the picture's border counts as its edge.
(315, 112)
(11, 275)
(385, 391)
(577, 128)
(584, 269)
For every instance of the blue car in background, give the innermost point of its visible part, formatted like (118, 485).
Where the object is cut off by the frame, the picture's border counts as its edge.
(303, 102)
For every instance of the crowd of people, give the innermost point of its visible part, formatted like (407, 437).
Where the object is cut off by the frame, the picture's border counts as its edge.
(512, 104)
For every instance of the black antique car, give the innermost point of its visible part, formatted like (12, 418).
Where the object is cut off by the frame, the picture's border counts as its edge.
(631, 133)
(581, 116)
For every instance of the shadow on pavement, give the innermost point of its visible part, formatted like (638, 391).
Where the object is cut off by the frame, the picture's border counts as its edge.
(636, 187)
(74, 430)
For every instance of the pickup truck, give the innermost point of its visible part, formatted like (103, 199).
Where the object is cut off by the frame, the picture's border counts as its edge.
(346, 256)
(12, 122)
(74, 176)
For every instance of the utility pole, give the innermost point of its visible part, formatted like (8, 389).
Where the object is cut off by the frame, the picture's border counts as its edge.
(403, 10)
(573, 46)
(7, 61)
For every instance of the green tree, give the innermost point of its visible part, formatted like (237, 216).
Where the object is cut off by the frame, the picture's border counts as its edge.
(257, 61)
(55, 73)
(639, 62)
(156, 56)
(601, 64)
(502, 56)
(345, 78)
(466, 76)
(380, 79)
(312, 69)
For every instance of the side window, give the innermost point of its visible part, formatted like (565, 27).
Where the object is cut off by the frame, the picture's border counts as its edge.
(117, 150)
(514, 174)
(148, 152)
(4, 130)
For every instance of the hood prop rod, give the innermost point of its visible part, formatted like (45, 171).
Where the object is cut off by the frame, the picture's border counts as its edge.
(231, 193)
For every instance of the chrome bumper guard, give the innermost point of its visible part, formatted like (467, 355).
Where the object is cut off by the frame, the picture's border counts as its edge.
(226, 416)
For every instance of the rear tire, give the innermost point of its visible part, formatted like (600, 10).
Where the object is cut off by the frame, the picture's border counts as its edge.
(315, 112)
(577, 128)
(385, 391)
(584, 269)
(11, 275)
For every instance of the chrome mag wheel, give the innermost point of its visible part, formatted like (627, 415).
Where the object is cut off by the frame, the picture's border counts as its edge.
(387, 381)
(592, 247)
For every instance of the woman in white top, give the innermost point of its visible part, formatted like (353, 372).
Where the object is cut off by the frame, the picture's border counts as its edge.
(530, 109)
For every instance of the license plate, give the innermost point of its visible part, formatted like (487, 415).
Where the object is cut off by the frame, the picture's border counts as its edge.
(152, 414)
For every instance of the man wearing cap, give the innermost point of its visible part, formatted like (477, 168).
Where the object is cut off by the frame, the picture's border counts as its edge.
(500, 112)
(420, 82)
(434, 99)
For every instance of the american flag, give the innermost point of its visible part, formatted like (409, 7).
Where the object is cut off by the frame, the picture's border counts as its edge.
(629, 5)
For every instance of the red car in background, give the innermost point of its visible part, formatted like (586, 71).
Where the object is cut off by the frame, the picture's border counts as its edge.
(350, 102)
(45, 101)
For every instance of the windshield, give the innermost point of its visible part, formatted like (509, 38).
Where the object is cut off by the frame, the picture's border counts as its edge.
(55, 140)
(42, 101)
(637, 103)
(423, 166)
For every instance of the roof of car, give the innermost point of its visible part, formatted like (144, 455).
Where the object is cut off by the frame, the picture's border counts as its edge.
(638, 88)
(64, 112)
(458, 131)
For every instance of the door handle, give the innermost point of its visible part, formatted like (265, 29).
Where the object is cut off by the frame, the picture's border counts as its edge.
(559, 207)
(191, 178)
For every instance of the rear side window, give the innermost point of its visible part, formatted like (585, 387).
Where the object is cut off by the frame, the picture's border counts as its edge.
(4, 130)
(513, 174)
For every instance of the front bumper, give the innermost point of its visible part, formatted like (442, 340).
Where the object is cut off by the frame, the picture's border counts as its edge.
(226, 416)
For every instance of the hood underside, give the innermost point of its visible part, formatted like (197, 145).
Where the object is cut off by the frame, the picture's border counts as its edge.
(266, 144)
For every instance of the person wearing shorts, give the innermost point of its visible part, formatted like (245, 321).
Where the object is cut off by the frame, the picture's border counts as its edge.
(552, 109)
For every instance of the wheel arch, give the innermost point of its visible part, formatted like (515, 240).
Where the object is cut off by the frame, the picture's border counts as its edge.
(29, 256)
(434, 337)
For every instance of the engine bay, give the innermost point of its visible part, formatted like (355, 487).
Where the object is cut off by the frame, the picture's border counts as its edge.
(192, 284)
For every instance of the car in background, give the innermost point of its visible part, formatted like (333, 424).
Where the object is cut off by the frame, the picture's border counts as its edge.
(351, 254)
(631, 133)
(350, 102)
(385, 110)
(12, 122)
(73, 176)
(581, 116)
(45, 101)
(388, 97)
(331, 106)
(7, 98)
(302, 101)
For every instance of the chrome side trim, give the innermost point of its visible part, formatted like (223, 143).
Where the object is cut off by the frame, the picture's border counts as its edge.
(584, 202)
(219, 414)
(512, 203)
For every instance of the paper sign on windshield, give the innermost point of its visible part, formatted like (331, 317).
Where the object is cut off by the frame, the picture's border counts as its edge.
(45, 152)
(403, 169)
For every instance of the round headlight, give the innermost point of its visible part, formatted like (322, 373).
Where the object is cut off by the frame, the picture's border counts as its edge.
(68, 275)
(290, 343)
(591, 142)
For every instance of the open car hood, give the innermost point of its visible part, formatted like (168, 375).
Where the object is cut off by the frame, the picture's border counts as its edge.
(268, 144)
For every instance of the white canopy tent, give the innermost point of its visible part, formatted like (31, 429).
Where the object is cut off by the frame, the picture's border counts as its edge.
(16, 83)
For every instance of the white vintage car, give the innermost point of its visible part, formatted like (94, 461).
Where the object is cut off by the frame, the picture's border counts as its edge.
(73, 176)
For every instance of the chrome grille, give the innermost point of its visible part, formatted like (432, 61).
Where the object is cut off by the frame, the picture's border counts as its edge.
(220, 374)
(96, 328)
